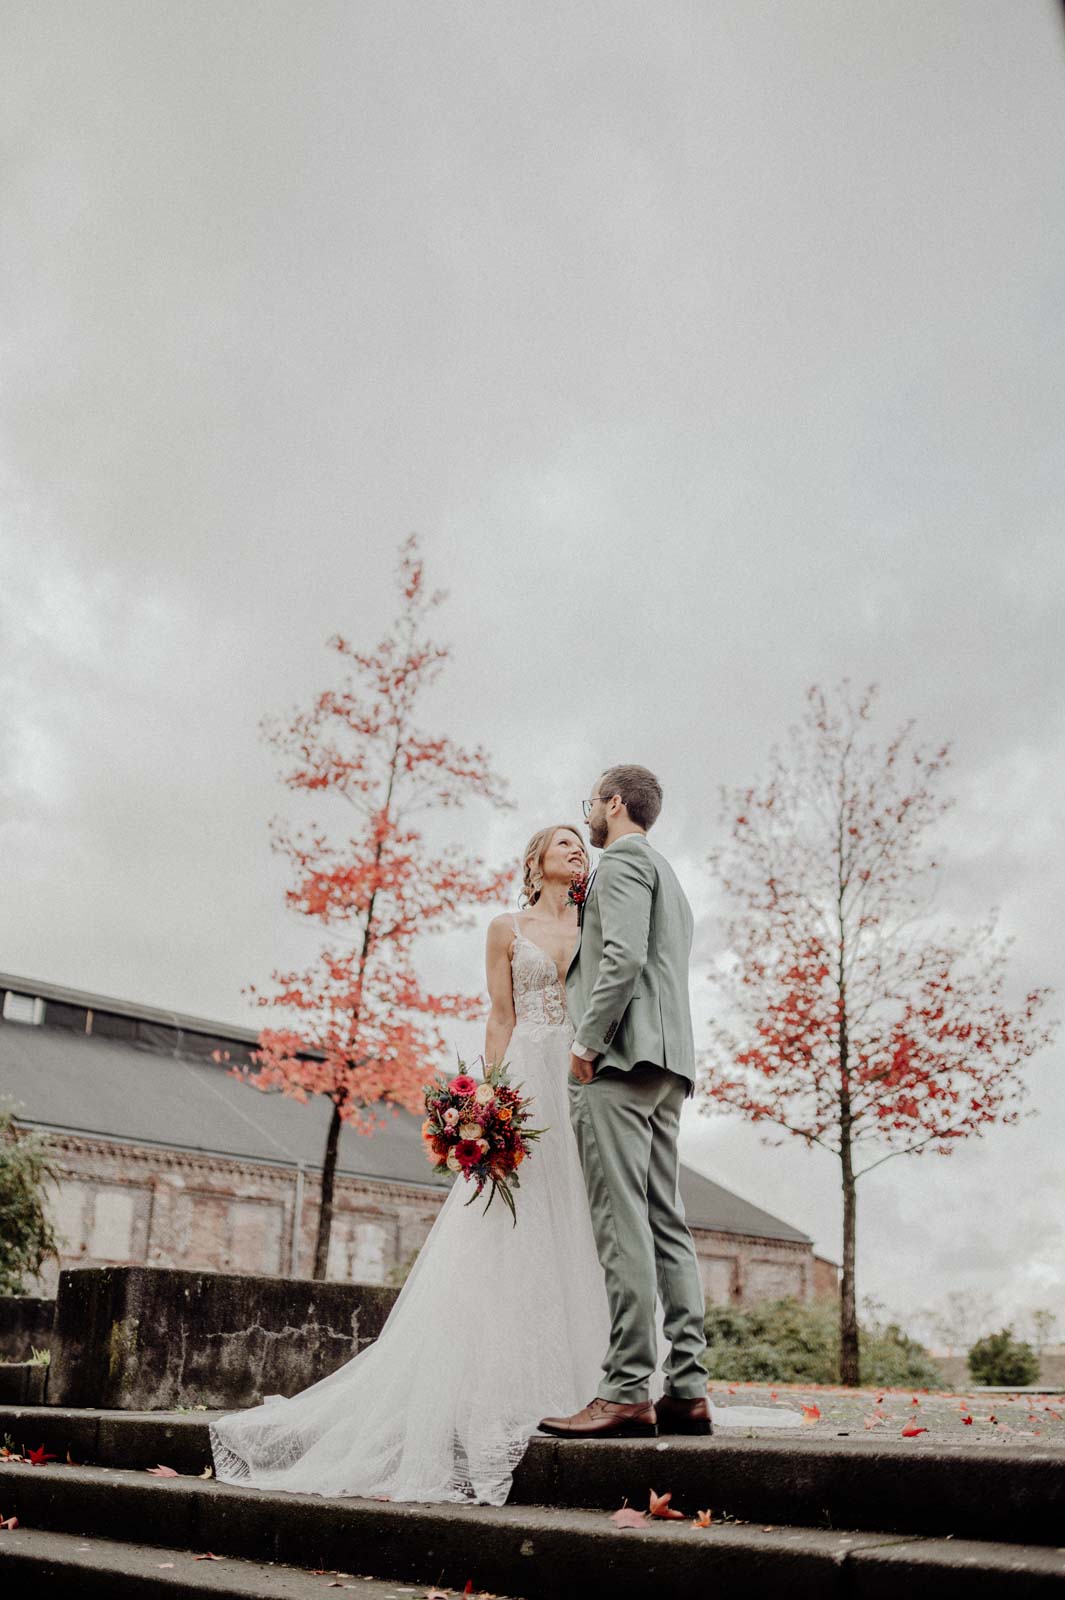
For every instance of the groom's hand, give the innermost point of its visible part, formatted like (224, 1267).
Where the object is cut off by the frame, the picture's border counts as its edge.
(581, 1071)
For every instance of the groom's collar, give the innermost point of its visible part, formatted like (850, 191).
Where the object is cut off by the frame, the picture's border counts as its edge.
(622, 837)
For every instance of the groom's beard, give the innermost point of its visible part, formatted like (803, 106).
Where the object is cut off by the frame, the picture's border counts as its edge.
(597, 834)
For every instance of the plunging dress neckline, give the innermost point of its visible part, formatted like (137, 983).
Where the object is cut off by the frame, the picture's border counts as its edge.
(560, 979)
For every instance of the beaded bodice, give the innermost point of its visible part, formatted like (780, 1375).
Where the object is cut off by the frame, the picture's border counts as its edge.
(539, 994)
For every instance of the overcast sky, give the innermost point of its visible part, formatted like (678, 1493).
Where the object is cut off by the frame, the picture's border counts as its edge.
(711, 348)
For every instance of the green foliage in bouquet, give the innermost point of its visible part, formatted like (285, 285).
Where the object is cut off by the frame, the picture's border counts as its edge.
(1001, 1360)
(27, 1238)
(784, 1341)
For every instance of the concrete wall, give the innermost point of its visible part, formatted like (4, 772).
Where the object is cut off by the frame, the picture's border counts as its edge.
(139, 1339)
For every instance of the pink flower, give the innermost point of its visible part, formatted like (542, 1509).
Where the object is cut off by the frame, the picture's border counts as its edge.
(463, 1084)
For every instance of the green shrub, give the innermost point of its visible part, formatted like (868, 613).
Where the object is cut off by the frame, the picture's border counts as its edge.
(785, 1341)
(26, 1235)
(1000, 1359)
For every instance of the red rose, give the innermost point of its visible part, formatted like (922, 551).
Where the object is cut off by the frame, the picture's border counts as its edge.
(462, 1084)
(577, 893)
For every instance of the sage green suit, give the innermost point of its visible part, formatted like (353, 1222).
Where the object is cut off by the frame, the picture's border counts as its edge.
(627, 991)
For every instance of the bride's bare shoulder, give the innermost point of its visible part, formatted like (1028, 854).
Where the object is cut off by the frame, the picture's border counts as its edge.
(501, 929)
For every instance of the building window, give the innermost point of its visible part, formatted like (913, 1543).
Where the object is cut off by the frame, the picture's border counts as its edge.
(22, 1007)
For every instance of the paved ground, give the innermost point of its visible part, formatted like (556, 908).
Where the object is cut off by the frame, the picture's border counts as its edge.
(1011, 1418)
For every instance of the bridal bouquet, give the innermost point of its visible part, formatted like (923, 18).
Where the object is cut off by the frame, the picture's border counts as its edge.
(481, 1130)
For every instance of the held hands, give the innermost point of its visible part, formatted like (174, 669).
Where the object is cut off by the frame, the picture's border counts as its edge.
(581, 1071)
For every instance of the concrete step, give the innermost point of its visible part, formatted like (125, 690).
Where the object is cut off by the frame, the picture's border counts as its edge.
(108, 1568)
(1007, 1495)
(538, 1553)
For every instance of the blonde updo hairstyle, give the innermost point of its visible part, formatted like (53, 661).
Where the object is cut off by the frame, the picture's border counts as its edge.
(533, 860)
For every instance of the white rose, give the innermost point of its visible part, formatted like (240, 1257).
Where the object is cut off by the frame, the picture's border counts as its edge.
(454, 1165)
(451, 1116)
(470, 1130)
(483, 1144)
(484, 1093)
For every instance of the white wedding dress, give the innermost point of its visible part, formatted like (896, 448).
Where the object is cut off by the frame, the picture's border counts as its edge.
(497, 1325)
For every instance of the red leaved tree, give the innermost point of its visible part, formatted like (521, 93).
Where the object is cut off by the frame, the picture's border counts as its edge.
(362, 1030)
(855, 1019)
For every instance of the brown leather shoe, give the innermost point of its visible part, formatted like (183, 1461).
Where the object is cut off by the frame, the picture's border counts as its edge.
(605, 1419)
(683, 1416)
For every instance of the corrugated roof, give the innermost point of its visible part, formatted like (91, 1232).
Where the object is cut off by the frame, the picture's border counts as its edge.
(116, 1089)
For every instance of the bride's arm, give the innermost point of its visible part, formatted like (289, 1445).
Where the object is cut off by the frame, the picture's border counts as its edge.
(500, 990)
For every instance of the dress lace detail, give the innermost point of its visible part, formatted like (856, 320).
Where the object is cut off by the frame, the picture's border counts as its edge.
(539, 994)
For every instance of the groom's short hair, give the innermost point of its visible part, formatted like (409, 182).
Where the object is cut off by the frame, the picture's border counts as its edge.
(638, 790)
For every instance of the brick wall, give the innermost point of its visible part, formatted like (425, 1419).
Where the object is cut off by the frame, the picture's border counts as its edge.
(132, 1205)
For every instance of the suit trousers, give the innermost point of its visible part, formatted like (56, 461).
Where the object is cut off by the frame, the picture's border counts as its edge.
(626, 1126)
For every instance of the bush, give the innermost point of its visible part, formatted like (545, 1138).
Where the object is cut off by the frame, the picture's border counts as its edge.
(26, 1235)
(1000, 1359)
(787, 1342)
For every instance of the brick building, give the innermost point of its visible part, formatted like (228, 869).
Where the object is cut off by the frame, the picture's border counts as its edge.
(165, 1159)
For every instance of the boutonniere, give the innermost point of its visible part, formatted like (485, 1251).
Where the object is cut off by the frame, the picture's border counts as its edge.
(577, 893)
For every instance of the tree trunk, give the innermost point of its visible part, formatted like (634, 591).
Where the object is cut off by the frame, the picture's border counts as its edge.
(325, 1209)
(848, 1315)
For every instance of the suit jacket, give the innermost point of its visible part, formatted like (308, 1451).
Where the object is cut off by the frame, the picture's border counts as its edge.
(627, 984)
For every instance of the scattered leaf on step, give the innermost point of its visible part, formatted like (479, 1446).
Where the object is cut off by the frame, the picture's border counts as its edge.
(629, 1517)
(660, 1507)
(968, 1421)
(163, 1472)
(469, 1586)
(208, 1472)
(703, 1519)
(162, 1565)
(911, 1433)
(811, 1413)
(9, 1522)
(208, 1556)
(39, 1456)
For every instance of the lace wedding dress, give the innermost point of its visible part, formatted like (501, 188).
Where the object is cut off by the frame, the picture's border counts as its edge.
(497, 1325)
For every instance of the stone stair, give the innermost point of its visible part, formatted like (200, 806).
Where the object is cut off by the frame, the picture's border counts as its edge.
(834, 1519)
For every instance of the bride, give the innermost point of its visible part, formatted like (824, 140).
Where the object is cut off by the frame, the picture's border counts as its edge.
(497, 1325)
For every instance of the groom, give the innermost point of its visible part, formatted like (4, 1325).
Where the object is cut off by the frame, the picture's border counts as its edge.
(632, 1066)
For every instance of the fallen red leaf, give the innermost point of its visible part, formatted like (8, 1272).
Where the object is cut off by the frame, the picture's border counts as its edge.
(9, 1522)
(208, 1556)
(163, 1472)
(39, 1456)
(811, 1413)
(968, 1421)
(911, 1433)
(703, 1519)
(469, 1581)
(629, 1517)
(660, 1507)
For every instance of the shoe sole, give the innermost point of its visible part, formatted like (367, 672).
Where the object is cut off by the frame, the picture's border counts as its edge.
(627, 1430)
(702, 1428)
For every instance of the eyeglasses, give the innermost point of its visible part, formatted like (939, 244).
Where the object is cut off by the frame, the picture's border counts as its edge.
(586, 805)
